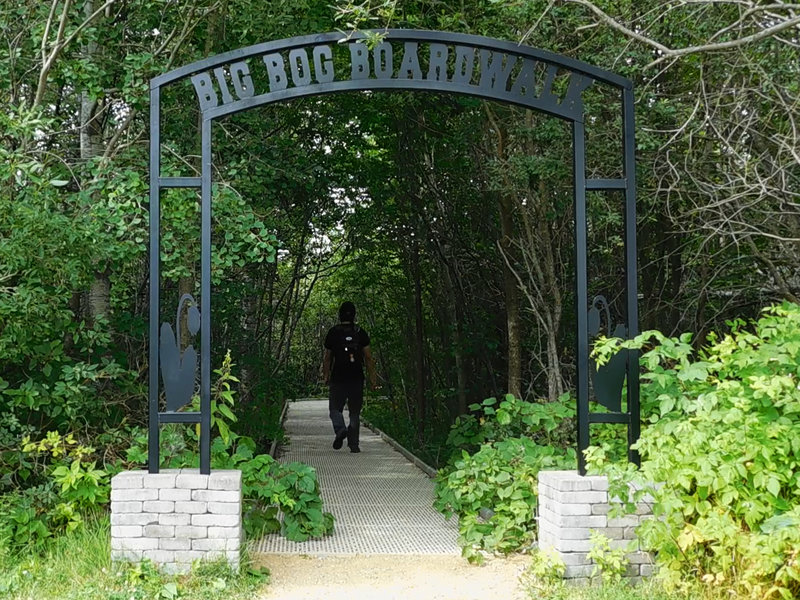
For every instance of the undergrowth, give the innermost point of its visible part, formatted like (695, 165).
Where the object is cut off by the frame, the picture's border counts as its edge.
(77, 566)
(490, 480)
(720, 456)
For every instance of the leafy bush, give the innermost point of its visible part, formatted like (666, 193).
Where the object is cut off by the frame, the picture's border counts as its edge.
(609, 563)
(271, 490)
(723, 444)
(292, 489)
(499, 477)
(545, 572)
(488, 422)
(62, 487)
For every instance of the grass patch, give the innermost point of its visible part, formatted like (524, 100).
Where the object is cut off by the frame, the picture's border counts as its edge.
(646, 590)
(609, 591)
(77, 566)
(542, 580)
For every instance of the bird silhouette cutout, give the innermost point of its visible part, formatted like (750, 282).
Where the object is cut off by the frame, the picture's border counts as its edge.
(608, 379)
(179, 369)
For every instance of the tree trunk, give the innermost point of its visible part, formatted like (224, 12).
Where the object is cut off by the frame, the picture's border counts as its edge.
(91, 146)
(419, 342)
(458, 340)
(510, 290)
(511, 293)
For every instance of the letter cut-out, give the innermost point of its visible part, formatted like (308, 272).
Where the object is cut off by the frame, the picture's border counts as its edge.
(219, 73)
(496, 68)
(409, 66)
(437, 66)
(299, 67)
(383, 60)
(573, 99)
(205, 91)
(464, 65)
(359, 61)
(276, 70)
(242, 82)
(546, 97)
(525, 83)
(323, 69)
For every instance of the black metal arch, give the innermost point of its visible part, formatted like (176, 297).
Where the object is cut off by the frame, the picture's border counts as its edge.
(430, 61)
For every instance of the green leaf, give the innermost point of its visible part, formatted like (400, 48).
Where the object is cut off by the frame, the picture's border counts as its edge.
(169, 591)
(226, 411)
(774, 486)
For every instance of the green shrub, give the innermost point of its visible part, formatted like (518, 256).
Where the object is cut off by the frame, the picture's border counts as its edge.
(501, 478)
(547, 423)
(291, 488)
(490, 482)
(545, 571)
(723, 444)
(63, 486)
(609, 563)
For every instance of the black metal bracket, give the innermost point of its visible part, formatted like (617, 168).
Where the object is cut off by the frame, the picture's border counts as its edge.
(179, 375)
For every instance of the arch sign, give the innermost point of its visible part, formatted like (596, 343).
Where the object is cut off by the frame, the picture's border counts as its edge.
(307, 70)
(428, 61)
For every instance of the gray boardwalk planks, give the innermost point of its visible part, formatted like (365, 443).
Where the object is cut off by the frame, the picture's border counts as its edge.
(381, 501)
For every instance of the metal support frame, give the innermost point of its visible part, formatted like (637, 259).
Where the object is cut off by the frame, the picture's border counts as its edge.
(481, 67)
(631, 268)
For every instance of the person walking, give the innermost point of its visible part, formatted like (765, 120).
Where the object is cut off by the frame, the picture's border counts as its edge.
(346, 351)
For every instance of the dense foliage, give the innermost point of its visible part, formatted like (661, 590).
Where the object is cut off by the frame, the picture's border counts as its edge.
(723, 448)
(490, 482)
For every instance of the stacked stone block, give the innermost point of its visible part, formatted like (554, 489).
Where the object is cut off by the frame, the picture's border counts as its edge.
(571, 507)
(176, 517)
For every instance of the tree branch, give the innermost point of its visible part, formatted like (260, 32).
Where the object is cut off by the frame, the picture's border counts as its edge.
(668, 53)
(61, 43)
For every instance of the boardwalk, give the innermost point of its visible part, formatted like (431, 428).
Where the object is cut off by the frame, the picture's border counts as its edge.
(381, 501)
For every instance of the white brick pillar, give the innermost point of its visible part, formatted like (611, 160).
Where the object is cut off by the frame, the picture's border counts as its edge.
(571, 506)
(176, 517)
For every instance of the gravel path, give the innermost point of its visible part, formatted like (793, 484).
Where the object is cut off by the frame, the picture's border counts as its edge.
(388, 543)
(382, 577)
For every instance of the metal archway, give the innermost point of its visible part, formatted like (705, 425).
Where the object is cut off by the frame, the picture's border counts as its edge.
(404, 60)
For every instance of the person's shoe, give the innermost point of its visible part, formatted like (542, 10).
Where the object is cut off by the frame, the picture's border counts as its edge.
(355, 450)
(338, 441)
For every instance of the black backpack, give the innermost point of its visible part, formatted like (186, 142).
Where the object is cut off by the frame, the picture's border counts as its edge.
(347, 351)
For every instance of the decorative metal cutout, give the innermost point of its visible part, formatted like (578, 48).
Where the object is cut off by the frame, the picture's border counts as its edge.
(608, 379)
(179, 369)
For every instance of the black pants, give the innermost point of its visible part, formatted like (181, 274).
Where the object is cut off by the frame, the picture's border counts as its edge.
(352, 393)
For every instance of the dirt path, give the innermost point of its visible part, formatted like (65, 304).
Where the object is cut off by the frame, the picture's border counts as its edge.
(399, 577)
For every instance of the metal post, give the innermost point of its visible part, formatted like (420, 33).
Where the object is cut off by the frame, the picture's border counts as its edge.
(581, 289)
(631, 271)
(155, 279)
(205, 302)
